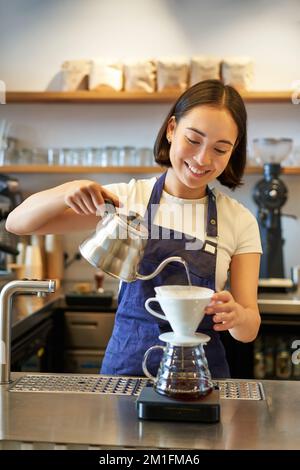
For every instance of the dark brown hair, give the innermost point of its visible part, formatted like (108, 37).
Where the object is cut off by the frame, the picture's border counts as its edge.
(212, 93)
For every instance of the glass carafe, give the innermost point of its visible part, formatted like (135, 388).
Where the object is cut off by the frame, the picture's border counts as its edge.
(183, 372)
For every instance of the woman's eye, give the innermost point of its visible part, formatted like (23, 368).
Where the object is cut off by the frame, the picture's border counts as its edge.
(221, 152)
(192, 141)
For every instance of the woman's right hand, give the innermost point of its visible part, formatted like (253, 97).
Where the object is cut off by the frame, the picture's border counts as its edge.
(86, 197)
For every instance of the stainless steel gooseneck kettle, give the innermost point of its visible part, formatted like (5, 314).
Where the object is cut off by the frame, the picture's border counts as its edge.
(117, 247)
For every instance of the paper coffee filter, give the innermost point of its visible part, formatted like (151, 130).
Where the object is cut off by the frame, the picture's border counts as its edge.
(183, 292)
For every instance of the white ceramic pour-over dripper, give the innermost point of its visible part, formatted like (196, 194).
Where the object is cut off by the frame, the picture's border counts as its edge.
(183, 307)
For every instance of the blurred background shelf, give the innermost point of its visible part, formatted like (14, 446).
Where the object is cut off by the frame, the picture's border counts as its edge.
(79, 169)
(292, 170)
(113, 169)
(85, 96)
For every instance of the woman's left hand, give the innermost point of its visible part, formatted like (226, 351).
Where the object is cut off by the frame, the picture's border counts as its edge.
(226, 312)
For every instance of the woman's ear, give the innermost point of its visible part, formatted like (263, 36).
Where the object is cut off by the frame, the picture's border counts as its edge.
(171, 128)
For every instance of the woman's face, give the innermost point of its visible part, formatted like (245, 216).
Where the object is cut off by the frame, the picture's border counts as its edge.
(201, 145)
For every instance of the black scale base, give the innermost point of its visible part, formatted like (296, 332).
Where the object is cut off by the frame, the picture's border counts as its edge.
(153, 406)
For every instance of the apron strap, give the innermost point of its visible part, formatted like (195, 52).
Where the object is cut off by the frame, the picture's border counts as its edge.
(212, 217)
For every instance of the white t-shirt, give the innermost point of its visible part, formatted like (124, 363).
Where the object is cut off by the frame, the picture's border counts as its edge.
(237, 227)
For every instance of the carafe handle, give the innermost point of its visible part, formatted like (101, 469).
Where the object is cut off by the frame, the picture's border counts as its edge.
(145, 370)
(153, 312)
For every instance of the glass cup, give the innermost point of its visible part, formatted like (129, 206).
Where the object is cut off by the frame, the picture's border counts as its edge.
(25, 156)
(40, 156)
(127, 156)
(99, 157)
(86, 156)
(144, 156)
(110, 155)
(71, 156)
(53, 156)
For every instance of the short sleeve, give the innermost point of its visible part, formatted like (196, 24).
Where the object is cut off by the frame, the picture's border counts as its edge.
(248, 236)
(134, 196)
(122, 190)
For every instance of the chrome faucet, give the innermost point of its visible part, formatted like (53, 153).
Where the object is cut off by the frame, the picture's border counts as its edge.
(32, 286)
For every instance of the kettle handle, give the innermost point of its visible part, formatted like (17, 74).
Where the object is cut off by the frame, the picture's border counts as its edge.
(145, 370)
(153, 312)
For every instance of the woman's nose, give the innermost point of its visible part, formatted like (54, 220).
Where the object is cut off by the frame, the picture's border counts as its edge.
(203, 157)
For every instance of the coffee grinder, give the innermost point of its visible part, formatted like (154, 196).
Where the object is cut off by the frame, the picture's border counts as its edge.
(270, 194)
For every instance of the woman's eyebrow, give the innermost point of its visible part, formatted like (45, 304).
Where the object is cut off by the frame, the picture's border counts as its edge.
(204, 135)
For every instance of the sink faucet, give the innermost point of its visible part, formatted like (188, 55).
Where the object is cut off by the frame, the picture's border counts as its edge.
(32, 286)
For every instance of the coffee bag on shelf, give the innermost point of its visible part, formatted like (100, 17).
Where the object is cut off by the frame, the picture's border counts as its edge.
(238, 72)
(139, 76)
(75, 74)
(106, 74)
(204, 68)
(172, 74)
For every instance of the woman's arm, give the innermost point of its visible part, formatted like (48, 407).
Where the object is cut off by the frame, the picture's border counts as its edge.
(237, 311)
(72, 206)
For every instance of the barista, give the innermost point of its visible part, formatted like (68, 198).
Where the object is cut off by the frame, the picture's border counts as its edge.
(203, 138)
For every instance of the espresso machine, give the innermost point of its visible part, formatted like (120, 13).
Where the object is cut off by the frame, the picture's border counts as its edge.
(270, 194)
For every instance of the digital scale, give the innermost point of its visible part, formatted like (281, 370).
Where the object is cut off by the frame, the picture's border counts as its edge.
(153, 406)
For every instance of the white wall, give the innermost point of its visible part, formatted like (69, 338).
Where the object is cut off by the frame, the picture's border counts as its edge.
(36, 36)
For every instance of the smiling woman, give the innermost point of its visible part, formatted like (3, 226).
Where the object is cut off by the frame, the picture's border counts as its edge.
(198, 156)
(208, 121)
(202, 139)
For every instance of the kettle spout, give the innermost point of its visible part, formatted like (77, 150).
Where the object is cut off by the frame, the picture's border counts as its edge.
(162, 265)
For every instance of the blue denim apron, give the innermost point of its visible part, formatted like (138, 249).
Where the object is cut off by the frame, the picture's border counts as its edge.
(135, 330)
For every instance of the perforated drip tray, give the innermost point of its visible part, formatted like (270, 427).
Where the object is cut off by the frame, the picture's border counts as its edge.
(132, 386)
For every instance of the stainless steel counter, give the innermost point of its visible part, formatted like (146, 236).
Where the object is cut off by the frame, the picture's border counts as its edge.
(70, 420)
(280, 303)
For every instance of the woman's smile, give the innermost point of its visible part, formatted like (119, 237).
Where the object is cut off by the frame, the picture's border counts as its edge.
(195, 171)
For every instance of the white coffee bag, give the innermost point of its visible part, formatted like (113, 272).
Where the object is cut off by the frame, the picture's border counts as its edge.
(238, 72)
(75, 74)
(204, 68)
(106, 73)
(139, 75)
(172, 74)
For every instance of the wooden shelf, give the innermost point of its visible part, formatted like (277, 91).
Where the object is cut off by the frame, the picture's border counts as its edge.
(85, 96)
(78, 169)
(287, 170)
(114, 169)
